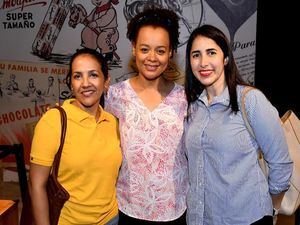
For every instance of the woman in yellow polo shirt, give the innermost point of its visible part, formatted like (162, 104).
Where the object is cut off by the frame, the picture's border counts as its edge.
(91, 155)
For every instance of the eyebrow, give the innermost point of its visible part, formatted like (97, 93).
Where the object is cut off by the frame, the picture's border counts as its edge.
(160, 46)
(207, 50)
(197, 51)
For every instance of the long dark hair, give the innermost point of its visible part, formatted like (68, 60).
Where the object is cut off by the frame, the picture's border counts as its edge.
(98, 57)
(193, 87)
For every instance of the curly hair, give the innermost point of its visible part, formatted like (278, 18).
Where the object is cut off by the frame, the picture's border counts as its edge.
(157, 17)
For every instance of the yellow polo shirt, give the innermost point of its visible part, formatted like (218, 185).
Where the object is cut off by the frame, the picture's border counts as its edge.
(89, 164)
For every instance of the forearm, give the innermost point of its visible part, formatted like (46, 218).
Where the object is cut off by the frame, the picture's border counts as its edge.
(38, 177)
(40, 205)
(277, 199)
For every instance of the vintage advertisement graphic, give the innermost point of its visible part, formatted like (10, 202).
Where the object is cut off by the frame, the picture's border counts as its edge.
(38, 38)
(52, 30)
(26, 91)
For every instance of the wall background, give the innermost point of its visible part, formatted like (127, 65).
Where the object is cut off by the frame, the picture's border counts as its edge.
(37, 41)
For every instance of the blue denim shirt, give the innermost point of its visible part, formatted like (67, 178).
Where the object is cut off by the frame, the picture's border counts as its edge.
(227, 185)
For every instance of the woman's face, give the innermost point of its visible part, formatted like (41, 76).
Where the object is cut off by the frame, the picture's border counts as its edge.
(152, 51)
(207, 62)
(87, 81)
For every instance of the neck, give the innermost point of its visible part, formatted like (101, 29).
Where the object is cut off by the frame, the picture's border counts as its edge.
(215, 91)
(94, 110)
(143, 83)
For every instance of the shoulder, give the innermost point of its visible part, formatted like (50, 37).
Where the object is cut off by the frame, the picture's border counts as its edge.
(179, 89)
(116, 91)
(110, 117)
(49, 123)
(117, 87)
(251, 95)
(51, 115)
(256, 103)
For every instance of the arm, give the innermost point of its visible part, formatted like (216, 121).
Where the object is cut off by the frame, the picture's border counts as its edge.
(270, 136)
(277, 199)
(38, 176)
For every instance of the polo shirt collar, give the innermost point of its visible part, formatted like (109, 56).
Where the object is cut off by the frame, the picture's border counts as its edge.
(79, 115)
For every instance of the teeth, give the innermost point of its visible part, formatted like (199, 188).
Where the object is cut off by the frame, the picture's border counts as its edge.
(86, 93)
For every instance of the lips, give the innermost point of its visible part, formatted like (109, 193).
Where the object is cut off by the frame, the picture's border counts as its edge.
(151, 67)
(87, 93)
(205, 73)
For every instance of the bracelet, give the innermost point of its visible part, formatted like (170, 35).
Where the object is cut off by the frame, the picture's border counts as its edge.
(275, 211)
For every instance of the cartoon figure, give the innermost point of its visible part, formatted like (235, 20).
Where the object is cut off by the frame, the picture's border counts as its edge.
(50, 89)
(38, 98)
(11, 85)
(31, 86)
(100, 27)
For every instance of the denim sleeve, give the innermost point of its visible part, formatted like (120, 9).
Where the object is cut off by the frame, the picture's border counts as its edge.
(265, 122)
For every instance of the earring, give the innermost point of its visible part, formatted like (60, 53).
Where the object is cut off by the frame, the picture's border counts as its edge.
(226, 59)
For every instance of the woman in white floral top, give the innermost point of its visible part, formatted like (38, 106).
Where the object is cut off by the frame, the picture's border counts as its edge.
(153, 181)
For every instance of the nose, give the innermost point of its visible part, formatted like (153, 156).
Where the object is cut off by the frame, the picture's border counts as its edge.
(203, 61)
(152, 56)
(85, 81)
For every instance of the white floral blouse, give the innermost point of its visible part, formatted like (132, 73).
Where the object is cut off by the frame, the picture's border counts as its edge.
(153, 180)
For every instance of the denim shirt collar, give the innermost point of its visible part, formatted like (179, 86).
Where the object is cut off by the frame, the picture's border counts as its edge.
(223, 98)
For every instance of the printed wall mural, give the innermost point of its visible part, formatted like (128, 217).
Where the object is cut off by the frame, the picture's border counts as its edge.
(38, 37)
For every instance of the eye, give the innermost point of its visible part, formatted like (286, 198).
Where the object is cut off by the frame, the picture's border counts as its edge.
(195, 55)
(161, 51)
(211, 53)
(76, 76)
(144, 50)
(94, 75)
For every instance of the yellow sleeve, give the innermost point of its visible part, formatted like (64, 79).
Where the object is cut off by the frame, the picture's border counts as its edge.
(46, 138)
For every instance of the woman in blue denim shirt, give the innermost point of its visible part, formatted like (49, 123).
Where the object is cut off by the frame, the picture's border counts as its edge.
(227, 185)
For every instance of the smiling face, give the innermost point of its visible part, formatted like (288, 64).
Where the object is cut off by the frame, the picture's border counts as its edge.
(207, 63)
(87, 81)
(152, 52)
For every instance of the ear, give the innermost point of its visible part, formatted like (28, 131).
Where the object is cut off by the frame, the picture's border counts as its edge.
(133, 49)
(226, 60)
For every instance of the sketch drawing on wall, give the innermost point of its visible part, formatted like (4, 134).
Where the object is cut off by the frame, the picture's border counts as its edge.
(190, 12)
(233, 13)
(49, 30)
(100, 29)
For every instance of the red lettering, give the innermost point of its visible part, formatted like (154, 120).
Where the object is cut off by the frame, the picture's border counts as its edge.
(30, 114)
(20, 4)
(4, 119)
(24, 114)
(11, 116)
(18, 115)
(37, 112)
